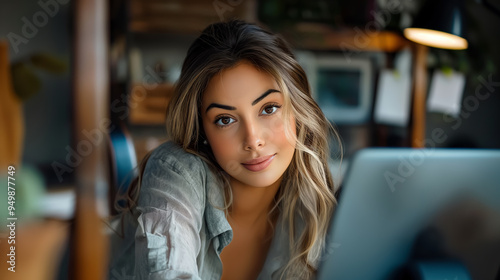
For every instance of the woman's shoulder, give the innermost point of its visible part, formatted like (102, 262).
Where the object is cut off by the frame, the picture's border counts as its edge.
(171, 155)
(171, 151)
(171, 164)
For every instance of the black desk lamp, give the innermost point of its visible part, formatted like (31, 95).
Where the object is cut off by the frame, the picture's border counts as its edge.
(440, 24)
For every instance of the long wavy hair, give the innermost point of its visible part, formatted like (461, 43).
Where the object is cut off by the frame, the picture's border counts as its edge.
(307, 189)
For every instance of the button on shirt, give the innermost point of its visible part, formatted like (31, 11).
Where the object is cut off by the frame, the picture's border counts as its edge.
(176, 231)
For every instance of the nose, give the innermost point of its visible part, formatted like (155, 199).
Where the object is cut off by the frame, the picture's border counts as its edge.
(253, 139)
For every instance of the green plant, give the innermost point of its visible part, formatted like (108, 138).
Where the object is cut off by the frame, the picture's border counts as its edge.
(25, 80)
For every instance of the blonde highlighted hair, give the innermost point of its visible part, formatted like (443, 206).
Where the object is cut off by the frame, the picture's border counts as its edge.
(307, 189)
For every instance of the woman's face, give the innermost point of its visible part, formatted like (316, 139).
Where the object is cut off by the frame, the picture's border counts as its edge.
(243, 122)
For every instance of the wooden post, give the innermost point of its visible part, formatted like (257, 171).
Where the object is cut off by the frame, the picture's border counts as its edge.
(419, 95)
(91, 124)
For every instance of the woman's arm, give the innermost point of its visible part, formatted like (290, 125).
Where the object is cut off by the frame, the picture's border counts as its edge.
(171, 206)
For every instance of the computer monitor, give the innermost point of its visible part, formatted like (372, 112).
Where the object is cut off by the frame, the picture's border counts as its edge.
(391, 197)
(343, 87)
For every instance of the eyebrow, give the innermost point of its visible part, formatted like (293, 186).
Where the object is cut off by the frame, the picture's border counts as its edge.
(226, 107)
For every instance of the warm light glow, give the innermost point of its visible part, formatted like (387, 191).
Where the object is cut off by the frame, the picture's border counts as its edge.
(436, 39)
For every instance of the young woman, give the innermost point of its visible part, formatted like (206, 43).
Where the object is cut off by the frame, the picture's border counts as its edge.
(242, 190)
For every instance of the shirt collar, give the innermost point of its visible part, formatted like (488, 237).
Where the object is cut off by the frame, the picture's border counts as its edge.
(216, 221)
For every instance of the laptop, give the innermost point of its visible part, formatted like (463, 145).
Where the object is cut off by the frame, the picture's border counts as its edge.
(417, 214)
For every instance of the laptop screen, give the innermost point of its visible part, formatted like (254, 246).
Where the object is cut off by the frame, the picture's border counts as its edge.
(402, 207)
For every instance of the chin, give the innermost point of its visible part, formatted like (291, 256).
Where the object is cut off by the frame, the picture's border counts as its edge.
(260, 180)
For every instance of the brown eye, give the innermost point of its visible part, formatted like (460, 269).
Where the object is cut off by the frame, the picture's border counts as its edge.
(269, 110)
(224, 121)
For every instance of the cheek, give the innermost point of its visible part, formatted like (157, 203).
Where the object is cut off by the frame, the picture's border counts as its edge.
(284, 136)
(277, 126)
(226, 151)
(221, 145)
(276, 135)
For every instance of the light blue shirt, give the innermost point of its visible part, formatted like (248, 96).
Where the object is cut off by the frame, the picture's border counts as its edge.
(175, 233)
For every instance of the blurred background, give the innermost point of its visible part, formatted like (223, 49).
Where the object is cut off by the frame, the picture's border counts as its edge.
(85, 85)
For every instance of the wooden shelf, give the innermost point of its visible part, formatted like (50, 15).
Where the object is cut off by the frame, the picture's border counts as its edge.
(315, 36)
(148, 103)
(184, 16)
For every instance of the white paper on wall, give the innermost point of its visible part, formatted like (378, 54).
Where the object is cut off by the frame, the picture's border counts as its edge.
(446, 92)
(393, 98)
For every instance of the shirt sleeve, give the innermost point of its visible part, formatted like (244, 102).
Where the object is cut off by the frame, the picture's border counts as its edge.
(171, 205)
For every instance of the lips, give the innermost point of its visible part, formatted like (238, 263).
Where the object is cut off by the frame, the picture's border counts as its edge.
(258, 164)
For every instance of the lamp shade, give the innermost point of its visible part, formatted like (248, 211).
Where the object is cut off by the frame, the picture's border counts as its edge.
(439, 24)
